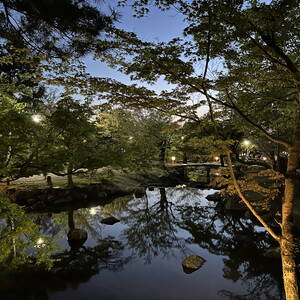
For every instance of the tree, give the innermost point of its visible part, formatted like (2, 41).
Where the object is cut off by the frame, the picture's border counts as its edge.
(253, 39)
(59, 28)
(76, 141)
(142, 136)
(22, 139)
(20, 76)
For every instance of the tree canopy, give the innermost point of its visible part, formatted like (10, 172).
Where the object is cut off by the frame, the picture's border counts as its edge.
(59, 28)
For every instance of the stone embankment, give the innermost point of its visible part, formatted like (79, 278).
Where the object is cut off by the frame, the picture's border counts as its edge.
(57, 199)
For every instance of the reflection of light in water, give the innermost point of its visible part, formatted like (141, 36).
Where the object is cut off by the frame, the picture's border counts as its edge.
(40, 243)
(93, 211)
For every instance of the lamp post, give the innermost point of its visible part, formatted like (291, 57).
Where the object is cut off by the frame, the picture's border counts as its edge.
(173, 158)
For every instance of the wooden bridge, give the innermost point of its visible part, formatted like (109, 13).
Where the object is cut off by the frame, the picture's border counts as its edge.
(207, 165)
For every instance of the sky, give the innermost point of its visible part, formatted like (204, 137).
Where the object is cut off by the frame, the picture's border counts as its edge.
(156, 26)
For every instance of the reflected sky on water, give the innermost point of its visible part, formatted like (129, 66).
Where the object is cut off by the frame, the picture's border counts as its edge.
(140, 256)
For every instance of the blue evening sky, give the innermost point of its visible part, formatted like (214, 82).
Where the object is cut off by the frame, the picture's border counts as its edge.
(156, 26)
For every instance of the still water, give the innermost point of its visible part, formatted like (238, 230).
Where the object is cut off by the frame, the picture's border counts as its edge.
(139, 258)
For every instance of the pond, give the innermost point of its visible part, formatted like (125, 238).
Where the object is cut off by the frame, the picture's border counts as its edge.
(140, 256)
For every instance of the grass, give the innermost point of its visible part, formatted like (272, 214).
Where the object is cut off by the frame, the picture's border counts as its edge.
(39, 181)
(120, 177)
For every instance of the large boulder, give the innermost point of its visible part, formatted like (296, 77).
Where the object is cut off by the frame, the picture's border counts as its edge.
(76, 238)
(192, 263)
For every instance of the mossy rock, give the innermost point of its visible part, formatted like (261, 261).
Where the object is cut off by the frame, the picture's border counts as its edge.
(192, 263)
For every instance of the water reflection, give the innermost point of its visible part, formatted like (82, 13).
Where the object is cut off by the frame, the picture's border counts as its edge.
(152, 227)
(159, 229)
(243, 248)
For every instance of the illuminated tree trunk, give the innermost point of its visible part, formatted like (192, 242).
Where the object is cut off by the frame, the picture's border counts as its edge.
(287, 240)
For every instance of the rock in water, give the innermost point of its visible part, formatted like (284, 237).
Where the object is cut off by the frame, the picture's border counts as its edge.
(110, 221)
(76, 238)
(192, 263)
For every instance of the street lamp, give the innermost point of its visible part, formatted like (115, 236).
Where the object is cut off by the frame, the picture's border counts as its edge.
(173, 158)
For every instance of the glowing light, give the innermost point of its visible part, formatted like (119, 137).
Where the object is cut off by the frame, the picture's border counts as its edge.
(216, 158)
(40, 243)
(130, 138)
(36, 118)
(173, 158)
(246, 143)
(180, 186)
(93, 211)
(264, 158)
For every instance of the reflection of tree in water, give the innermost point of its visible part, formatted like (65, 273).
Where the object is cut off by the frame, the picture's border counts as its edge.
(262, 287)
(21, 243)
(151, 228)
(107, 251)
(71, 266)
(70, 270)
(229, 235)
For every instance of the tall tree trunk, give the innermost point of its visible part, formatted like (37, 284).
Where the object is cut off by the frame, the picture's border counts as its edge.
(207, 175)
(287, 241)
(162, 154)
(222, 160)
(70, 176)
(185, 158)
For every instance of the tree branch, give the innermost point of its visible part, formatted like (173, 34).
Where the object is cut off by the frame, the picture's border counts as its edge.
(247, 203)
